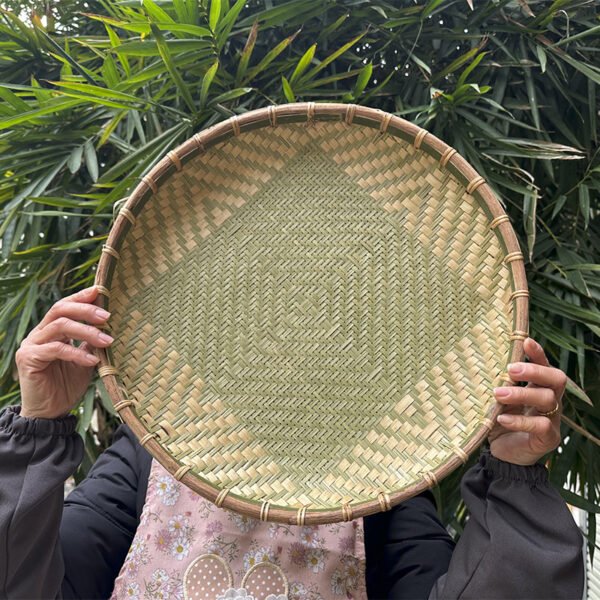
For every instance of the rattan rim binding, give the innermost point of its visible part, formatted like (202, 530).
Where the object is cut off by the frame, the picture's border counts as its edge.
(127, 214)
(384, 501)
(512, 256)
(347, 511)
(519, 335)
(419, 138)
(446, 156)
(430, 478)
(385, 122)
(146, 438)
(264, 510)
(272, 116)
(106, 370)
(150, 183)
(175, 159)
(181, 472)
(301, 516)
(221, 497)
(498, 220)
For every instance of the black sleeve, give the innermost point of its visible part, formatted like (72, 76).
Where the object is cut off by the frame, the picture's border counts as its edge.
(407, 550)
(36, 457)
(520, 542)
(101, 516)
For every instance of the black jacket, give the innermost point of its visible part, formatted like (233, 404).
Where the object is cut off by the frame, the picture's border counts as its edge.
(520, 541)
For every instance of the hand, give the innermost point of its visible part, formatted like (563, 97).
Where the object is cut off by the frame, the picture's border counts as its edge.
(522, 435)
(53, 373)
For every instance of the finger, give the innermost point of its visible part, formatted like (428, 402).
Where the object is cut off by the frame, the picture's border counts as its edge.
(538, 374)
(535, 352)
(543, 399)
(64, 327)
(86, 295)
(541, 427)
(74, 310)
(43, 354)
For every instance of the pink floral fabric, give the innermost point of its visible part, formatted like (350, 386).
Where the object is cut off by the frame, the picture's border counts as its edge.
(187, 548)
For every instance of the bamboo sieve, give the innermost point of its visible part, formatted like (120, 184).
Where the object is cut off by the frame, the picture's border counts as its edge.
(311, 304)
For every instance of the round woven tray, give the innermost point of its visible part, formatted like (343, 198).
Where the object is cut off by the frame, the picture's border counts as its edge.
(311, 304)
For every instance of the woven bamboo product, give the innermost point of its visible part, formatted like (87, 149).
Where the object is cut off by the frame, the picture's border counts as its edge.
(311, 304)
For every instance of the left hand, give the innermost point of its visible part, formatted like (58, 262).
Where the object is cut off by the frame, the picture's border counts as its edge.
(521, 434)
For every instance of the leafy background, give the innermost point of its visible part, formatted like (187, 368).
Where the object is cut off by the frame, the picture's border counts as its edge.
(94, 92)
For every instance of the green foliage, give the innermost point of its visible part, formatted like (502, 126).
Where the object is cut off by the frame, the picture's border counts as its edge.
(89, 102)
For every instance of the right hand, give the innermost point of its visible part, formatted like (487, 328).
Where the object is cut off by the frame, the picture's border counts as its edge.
(53, 373)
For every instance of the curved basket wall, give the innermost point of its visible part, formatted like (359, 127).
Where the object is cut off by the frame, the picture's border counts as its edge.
(311, 304)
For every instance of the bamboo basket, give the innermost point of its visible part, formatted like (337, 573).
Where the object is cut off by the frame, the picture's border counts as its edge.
(311, 304)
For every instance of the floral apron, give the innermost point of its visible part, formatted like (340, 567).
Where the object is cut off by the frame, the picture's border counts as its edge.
(187, 548)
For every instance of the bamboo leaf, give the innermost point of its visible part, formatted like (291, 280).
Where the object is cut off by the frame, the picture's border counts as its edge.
(343, 49)
(29, 305)
(270, 57)
(303, 63)
(214, 15)
(584, 204)
(168, 60)
(541, 57)
(456, 64)
(287, 90)
(362, 80)
(230, 95)
(579, 501)
(529, 217)
(156, 13)
(32, 116)
(206, 83)
(247, 53)
(228, 21)
(91, 160)
(74, 161)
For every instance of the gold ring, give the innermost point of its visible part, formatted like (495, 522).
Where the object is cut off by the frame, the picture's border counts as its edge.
(552, 412)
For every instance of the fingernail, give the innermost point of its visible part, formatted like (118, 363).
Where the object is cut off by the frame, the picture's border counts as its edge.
(105, 338)
(90, 358)
(515, 368)
(506, 419)
(102, 314)
(502, 392)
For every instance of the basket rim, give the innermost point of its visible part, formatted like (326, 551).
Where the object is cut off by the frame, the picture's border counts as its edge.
(272, 116)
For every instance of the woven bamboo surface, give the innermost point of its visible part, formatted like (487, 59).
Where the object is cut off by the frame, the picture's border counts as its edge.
(311, 305)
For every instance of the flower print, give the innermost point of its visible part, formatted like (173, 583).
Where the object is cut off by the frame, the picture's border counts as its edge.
(214, 527)
(168, 490)
(315, 559)
(261, 555)
(276, 597)
(221, 547)
(233, 593)
(298, 591)
(346, 545)
(309, 537)
(163, 539)
(160, 576)
(136, 555)
(348, 576)
(137, 548)
(243, 523)
(180, 548)
(178, 524)
(132, 591)
(297, 554)
(162, 586)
